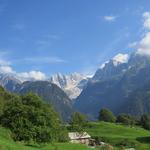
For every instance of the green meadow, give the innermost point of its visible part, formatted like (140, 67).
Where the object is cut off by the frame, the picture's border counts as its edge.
(6, 143)
(115, 134)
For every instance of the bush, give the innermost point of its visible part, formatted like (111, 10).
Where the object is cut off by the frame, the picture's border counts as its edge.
(125, 119)
(105, 147)
(128, 143)
(145, 121)
(78, 122)
(106, 115)
(30, 119)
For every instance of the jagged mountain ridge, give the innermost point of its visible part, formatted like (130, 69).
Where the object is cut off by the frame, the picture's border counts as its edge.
(72, 84)
(50, 92)
(9, 82)
(113, 86)
(118, 84)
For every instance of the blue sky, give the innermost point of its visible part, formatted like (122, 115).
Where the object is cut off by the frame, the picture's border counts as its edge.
(67, 35)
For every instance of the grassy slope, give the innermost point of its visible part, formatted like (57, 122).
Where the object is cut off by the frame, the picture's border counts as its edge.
(6, 143)
(110, 132)
(116, 133)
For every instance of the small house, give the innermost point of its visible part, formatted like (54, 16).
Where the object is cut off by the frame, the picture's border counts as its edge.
(81, 138)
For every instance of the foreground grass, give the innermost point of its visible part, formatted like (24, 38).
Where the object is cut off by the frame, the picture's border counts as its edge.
(108, 132)
(6, 143)
(119, 134)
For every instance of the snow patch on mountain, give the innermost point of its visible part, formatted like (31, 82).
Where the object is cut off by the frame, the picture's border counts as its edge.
(116, 60)
(120, 59)
(72, 84)
(8, 81)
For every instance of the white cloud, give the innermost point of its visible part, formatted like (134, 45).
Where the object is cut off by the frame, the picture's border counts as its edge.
(110, 18)
(146, 17)
(32, 75)
(4, 62)
(6, 69)
(144, 45)
(6, 66)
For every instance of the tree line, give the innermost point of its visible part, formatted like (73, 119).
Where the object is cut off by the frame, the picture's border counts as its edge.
(126, 119)
(79, 121)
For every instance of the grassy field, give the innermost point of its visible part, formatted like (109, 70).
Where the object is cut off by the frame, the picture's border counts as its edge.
(117, 134)
(111, 133)
(6, 143)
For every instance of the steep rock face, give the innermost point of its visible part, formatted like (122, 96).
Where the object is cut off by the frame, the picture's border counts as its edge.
(116, 87)
(72, 84)
(9, 82)
(51, 93)
(112, 68)
(48, 91)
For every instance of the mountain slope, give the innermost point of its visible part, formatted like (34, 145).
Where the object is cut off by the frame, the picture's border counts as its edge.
(9, 82)
(72, 84)
(112, 68)
(48, 91)
(51, 93)
(117, 87)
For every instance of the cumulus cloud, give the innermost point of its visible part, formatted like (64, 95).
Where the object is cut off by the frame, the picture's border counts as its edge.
(110, 18)
(144, 43)
(32, 75)
(6, 69)
(146, 17)
(5, 64)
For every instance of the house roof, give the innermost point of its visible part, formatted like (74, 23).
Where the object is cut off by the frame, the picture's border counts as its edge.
(77, 135)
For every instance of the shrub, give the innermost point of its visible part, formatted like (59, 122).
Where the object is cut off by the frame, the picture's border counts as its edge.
(30, 119)
(126, 143)
(125, 119)
(106, 115)
(145, 121)
(78, 121)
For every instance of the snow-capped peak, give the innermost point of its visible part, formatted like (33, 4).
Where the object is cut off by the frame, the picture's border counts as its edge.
(120, 58)
(69, 83)
(104, 64)
(116, 60)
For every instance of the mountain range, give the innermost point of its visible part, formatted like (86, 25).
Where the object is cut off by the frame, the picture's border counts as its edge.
(123, 87)
(59, 90)
(72, 84)
(121, 84)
